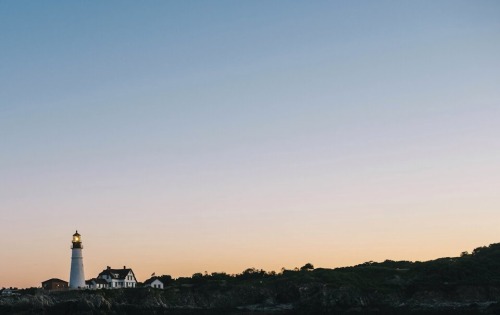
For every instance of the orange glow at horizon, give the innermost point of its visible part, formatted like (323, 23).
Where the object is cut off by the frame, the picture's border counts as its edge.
(184, 258)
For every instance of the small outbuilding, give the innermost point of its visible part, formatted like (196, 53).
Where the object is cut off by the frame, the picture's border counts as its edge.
(54, 284)
(154, 282)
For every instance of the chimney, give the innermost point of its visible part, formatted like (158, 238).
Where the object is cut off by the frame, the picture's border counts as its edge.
(124, 267)
(108, 267)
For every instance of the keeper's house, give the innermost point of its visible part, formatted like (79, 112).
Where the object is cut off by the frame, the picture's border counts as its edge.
(118, 278)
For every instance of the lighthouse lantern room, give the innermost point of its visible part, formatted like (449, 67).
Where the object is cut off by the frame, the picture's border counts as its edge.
(77, 243)
(76, 277)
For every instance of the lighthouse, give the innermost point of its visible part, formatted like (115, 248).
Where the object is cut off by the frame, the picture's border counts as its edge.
(76, 276)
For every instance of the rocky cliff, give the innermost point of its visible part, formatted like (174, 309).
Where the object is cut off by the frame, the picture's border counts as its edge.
(309, 298)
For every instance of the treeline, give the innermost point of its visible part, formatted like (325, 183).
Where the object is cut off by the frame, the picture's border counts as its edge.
(247, 274)
(480, 267)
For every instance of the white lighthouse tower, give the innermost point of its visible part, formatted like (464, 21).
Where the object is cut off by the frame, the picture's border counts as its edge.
(76, 276)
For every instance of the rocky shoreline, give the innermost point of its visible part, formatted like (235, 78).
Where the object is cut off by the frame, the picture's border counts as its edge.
(246, 299)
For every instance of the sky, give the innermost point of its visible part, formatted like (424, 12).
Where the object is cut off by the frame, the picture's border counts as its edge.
(191, 136)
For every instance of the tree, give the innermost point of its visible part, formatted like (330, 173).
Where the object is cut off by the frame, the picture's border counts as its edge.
(166, 279)
(307, 267)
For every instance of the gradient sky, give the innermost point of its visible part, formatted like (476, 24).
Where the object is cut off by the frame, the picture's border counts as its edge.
(192, 136)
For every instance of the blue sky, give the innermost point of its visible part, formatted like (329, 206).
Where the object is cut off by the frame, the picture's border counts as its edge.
(257, 122)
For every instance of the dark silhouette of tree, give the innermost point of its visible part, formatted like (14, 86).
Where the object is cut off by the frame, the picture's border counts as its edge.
(307, 267)
(166, 279)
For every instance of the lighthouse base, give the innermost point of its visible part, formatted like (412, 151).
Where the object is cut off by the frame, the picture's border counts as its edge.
(76, 277)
